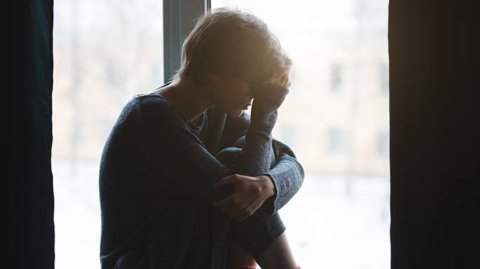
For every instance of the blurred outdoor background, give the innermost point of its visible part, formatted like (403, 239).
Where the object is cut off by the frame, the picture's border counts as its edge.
(335, 118)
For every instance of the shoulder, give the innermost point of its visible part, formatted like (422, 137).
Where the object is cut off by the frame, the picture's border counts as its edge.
(154, 107)
(149, 111)
(153, 102)
(141, 102)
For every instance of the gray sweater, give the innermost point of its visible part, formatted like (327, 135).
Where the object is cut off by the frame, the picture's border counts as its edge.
(156, 182)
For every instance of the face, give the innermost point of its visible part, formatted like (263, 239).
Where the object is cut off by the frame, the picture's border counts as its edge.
(232, 95)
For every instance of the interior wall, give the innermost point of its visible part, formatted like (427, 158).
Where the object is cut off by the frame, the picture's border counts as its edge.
(435, 134)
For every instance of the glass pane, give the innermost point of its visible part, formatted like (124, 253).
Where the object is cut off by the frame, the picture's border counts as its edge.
(336, 120)
(105, 52)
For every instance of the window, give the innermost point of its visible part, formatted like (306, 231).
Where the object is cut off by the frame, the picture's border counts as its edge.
(337, 141)
(383, 143)
(383, 77)
(336, 77)
(289, 134)
(340, 217)
(104, 53)
(110, 72)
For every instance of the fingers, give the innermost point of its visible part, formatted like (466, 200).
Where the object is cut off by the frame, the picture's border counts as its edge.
(225, 181)
(234, 208)
(245, 213)
(229, 206)
(226, 203)
(271, 94)
(244, 216)
(245, 200)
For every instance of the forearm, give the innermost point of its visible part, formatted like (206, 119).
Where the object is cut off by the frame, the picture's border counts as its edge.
(161, 124)
(257, 154)
(287, 177)
(283, 179)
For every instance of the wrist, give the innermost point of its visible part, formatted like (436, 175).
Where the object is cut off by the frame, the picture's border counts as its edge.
(268, 188)
(265, 121)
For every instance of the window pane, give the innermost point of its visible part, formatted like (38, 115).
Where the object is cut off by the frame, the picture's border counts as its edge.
(336, 120)
(105, 52)
(336, 77)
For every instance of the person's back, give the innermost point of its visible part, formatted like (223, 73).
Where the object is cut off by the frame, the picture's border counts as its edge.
(132, 197)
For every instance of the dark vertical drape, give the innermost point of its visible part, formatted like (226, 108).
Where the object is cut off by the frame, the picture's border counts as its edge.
(30, 193)
(435, 134)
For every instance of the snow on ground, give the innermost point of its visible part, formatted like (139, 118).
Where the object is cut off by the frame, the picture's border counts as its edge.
(325, 227)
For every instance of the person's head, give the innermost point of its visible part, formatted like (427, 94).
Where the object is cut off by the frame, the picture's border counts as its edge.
(228, 53)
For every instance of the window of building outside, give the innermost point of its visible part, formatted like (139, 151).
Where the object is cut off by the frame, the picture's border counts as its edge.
(337, 141)
(105, 52)
(336, 77)
(340, 217)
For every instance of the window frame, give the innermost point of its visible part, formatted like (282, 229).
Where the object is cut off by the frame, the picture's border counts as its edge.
(178, 19)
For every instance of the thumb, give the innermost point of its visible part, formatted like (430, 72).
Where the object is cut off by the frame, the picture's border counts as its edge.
(225, 181)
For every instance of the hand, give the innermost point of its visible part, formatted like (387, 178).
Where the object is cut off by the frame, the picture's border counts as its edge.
(268, 98)
(248, 197)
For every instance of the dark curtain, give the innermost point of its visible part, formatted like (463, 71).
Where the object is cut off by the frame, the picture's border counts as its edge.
(30, 230)
(435, 134)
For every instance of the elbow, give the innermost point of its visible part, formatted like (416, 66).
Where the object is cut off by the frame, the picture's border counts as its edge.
(300, 173)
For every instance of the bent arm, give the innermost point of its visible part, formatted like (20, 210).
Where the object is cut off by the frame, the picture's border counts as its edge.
(286, 172)
(287, 176)
(165, 138)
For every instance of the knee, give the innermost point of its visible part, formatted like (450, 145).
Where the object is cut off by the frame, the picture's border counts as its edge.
(240, 142)
(228, 155)
(256, 233)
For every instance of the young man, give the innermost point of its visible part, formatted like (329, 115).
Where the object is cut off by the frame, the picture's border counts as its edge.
(187, 180)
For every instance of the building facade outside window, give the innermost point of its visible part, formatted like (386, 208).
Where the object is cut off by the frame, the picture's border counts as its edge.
(106, 51)
(335, 109)
(336, 77)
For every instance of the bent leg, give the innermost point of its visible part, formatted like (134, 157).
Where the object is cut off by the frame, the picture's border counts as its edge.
(238, 258)
(258, 238)
(263, 238)
(278, 255)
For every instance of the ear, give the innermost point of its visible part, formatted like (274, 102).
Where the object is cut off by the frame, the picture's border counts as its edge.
(213, 78)
(206, 79)
(207, 84)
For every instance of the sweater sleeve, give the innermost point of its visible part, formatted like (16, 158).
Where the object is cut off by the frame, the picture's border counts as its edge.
(287, 175)
(162, 136)
(286, 172)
